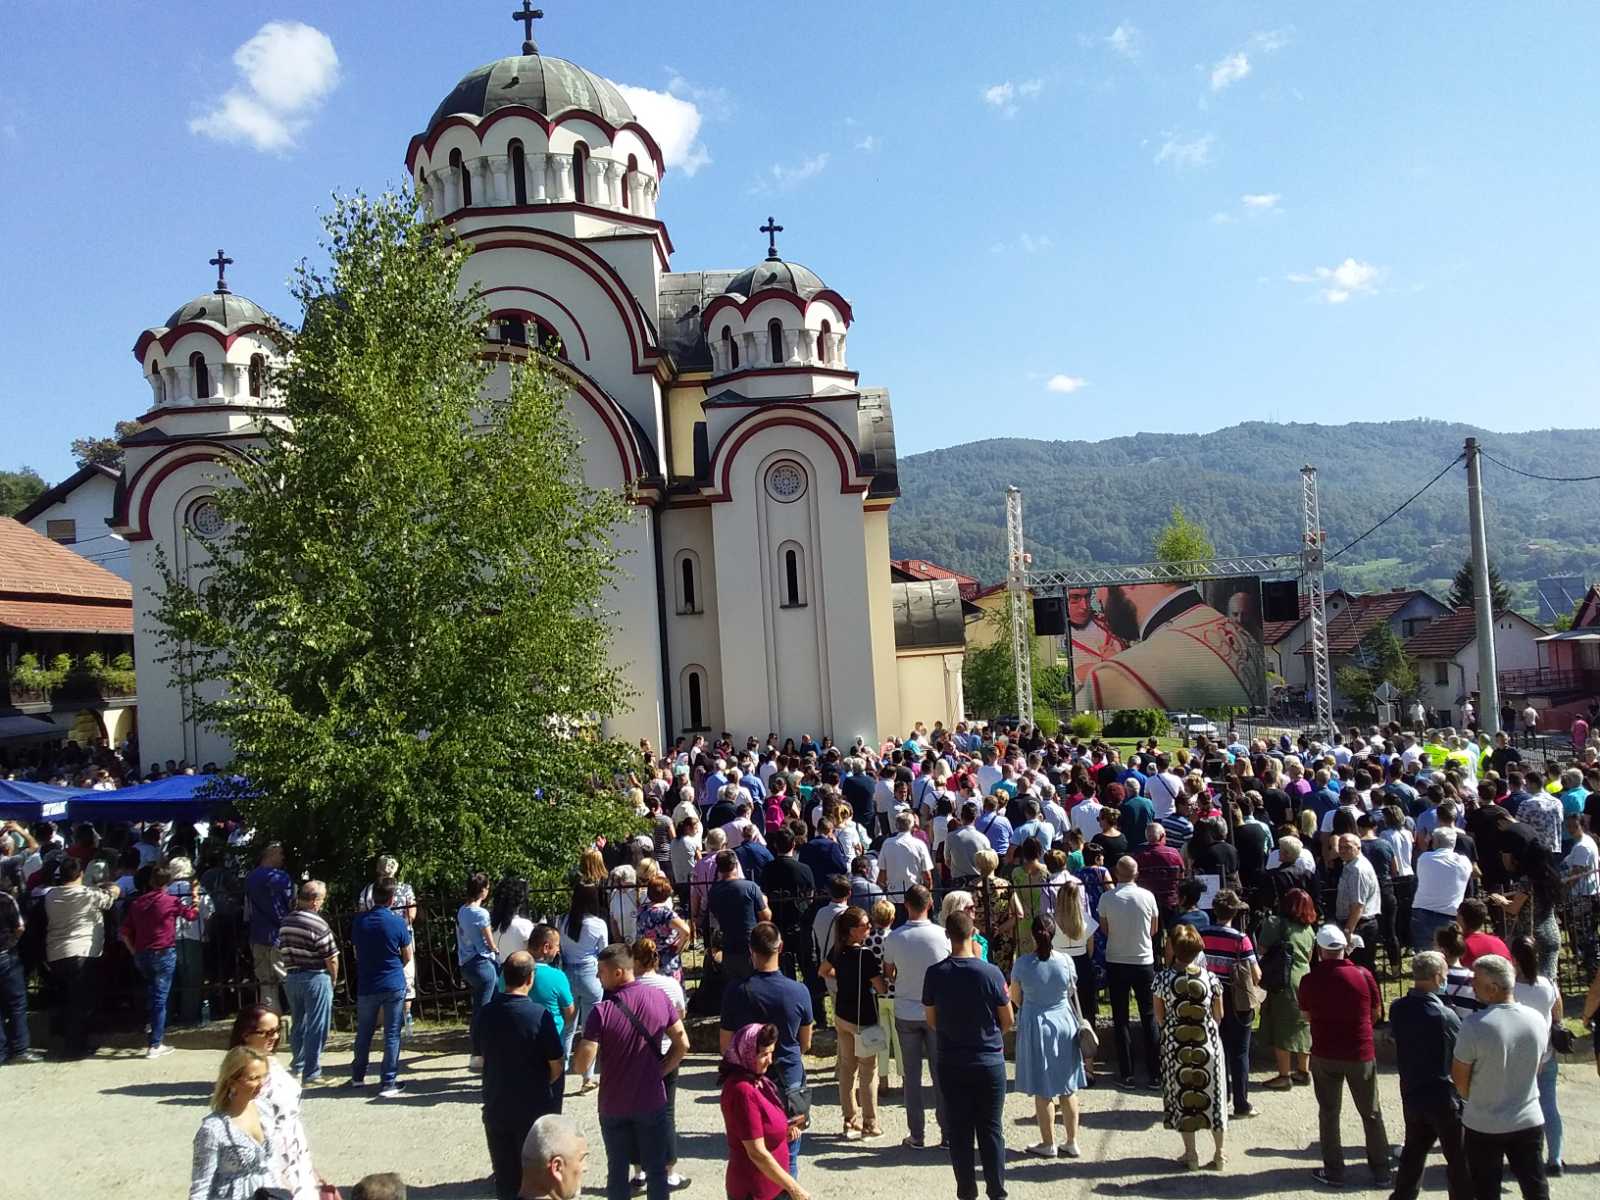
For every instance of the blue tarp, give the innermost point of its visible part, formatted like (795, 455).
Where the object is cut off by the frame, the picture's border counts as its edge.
(35, 801)
(175, 798)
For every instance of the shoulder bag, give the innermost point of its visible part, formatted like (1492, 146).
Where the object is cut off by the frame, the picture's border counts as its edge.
(871, 1040)
(1088, 1039)
(1248, 995)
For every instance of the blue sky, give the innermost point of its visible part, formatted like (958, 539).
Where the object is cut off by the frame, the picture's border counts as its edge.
(1053, 219)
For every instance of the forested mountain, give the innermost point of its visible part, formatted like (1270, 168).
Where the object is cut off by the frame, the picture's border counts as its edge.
(1104, 502)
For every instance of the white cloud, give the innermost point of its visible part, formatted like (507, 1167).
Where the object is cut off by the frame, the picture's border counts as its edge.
(1065, 384)
(673, 121)
(1260, 201)
(1230, 71)
(1025, 243)
(1126, 40)
(785, 176)
(1196, 152)
(1335, 285)
(286, 70)
(1004, 96)
(870, 144)
(1270, 41)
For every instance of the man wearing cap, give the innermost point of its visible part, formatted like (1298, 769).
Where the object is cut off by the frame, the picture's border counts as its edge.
(1341, 1000)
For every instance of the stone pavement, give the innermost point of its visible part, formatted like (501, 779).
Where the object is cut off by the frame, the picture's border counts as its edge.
(120, 1126)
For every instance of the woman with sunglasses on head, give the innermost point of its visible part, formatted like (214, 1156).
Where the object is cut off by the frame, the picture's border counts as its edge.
(233, 1148)
(278, 1102)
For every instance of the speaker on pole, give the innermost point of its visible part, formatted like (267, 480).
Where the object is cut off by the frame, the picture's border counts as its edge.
(1049, 616)
(1280, 600)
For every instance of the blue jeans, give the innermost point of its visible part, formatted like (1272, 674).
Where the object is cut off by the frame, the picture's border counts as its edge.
(1235, 1031)
(1552, 1115)
(368, 1006)
(1424, 924)
(13, 1006)
(157, 967)
(641, 1139)
(479, 975)
(310, 995)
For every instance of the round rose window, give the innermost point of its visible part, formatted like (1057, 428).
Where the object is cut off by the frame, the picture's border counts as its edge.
(786, 482)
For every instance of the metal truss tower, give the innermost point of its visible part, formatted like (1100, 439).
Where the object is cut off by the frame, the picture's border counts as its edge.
(1017, 587)
(1311, 567)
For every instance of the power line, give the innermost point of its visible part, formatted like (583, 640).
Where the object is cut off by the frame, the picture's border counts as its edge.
(1531, 475)
(1402, 508)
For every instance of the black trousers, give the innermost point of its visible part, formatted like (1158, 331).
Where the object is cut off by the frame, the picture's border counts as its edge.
(1488, 1154)
(505, 1153)
(1137, 979)
(1367, 953)
(974, 1098)
(1429, 1121)
(78, 991)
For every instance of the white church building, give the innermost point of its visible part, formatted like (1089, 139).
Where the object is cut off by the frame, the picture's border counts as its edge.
(756, 591)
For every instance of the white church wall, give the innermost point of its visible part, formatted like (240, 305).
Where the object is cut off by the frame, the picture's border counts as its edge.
(893, 717)
(692, 636)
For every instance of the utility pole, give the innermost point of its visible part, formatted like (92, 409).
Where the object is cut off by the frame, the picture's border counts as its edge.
(1482, 598)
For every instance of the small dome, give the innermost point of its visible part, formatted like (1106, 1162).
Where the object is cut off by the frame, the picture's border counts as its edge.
(221, 308)
(775, 273)
(547, 85)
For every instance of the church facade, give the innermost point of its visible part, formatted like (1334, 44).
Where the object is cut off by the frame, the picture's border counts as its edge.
(755, 594)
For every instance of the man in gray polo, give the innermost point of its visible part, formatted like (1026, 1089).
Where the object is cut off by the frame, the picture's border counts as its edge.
(908, 952)
(1496, 1071)
(961, 847)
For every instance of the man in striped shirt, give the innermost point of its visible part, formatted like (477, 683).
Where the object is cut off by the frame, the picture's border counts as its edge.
(1226, 947)
(1177, 823)
(311, 960)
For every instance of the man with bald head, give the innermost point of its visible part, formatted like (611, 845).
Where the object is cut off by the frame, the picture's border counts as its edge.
(1358, 902)
(553, 1157)
(1131, 918)
(522, 1067)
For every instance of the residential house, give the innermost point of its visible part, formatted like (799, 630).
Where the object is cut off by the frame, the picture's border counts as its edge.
(1406, 611)
(1445, 652)
(74, 513)
(1283, 641)
(1565, 678)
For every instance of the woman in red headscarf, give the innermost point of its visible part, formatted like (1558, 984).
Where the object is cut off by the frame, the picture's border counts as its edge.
(759, 1132)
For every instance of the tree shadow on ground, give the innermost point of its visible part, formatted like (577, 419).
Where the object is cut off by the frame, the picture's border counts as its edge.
(184, 1094)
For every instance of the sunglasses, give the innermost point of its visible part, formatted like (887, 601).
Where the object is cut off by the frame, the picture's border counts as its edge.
(270, 1031)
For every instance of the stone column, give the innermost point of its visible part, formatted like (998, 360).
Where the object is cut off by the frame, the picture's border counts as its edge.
(648, 190)
(477, 171)
(538, 167)
(618, 177)
(748, 352)
(171, 385)
(563, 166)
(596, 189)
(499, 169)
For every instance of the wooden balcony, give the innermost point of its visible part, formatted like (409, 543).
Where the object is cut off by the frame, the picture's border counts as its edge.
(1548, 680)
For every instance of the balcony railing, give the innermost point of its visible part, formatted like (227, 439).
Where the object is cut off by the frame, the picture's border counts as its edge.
(1550, 679)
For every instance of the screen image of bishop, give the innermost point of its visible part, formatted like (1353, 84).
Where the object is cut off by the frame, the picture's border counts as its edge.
(1168, 645)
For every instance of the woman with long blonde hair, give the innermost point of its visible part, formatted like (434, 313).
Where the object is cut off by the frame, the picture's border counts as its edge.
(233, 1146)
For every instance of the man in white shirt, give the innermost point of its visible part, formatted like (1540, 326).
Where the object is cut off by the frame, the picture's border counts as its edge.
(988, 774)
(908, 952)
(1163, 788)
(1085, 817)
(1442, 878)
(1130, 917)
(903, 860)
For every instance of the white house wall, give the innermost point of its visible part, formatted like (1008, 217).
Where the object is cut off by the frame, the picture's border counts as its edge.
(87, 506)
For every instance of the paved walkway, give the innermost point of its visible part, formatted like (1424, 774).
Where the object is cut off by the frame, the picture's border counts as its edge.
(118, 1126)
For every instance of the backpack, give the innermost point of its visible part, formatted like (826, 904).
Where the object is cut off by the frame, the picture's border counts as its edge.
(1277, 967)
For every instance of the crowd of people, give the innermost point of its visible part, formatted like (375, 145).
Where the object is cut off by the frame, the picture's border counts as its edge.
(924, 899)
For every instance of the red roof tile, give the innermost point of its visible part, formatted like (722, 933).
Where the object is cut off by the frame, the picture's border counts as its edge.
(32, 566)
(1364, 614)
(46, 616)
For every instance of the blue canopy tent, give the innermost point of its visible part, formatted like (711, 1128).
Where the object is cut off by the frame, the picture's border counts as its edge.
(175, 798)
(35, 801)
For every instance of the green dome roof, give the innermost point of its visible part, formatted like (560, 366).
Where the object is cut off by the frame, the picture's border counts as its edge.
(222, 308)
(546, 85)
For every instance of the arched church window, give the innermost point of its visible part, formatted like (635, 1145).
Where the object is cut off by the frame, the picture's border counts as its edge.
(694, 698)
(514, 331)
(792, 593)
(202, 375)
(627, 180)
(258, 374)
(580, 173)
(775, 341)
(158, 384)
(688, 582)
(519, 174)
(732, 346)
(823, 338)
(463, 176)
(549, 340)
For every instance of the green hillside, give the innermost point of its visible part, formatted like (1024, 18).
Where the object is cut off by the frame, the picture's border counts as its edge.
(1103, 502)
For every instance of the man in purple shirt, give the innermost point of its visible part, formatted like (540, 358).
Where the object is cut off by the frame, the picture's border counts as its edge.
(637, 1030)
(268, 897)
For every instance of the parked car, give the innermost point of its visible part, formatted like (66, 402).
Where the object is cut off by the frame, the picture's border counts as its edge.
(1189, 725)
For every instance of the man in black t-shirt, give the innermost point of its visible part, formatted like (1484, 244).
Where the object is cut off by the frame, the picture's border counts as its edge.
(522, 1060)
(790, 887)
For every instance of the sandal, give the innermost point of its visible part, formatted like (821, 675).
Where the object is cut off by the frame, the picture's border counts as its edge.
(1279, 1083)
(872, 1131)
(1301, 1078)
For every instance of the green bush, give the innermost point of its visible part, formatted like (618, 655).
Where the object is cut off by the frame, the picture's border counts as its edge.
(1084, 725)
(1137, 722)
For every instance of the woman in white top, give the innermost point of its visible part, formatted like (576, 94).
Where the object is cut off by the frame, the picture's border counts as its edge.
(624, 904)
(645, 961)
(508, 917)
(233, 1146)
(1074, 937)
(1538, 993)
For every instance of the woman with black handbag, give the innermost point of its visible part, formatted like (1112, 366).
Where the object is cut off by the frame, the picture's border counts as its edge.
(861, 1036)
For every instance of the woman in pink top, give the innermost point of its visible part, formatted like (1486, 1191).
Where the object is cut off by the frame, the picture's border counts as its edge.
(759, 1132)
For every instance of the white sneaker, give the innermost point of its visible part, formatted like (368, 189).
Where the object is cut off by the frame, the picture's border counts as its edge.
(475, 1065)
(390, 1092)
(1071, 1150)
(158, 1051)
(1043, 1150)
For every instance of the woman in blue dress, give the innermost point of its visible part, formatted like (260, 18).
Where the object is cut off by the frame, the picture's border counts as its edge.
(1049, 1060)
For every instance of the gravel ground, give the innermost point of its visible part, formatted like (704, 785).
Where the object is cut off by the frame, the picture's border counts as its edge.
(120, 1126)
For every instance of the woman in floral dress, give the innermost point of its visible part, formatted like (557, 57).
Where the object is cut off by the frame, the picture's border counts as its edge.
(1189, 1001)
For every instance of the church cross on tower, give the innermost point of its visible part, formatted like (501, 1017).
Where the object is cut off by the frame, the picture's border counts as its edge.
(221, 262)
(772, 229)
(527, 16)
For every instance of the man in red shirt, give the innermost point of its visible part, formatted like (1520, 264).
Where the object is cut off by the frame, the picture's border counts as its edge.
(1160, 871)
(1473, 915)
(1340, 998)
(150, 931)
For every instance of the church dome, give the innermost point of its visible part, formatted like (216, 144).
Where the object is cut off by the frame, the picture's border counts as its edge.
(221, 308)
(775, 273)
(547, 85)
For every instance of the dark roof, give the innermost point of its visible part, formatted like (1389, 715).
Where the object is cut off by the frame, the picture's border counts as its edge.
(220, 308)
(776, 273)
(1447, 636)
(684, 296)
(1588, 614)
(65, 488)
(927, 613)
(909, 569)
(875, 436)
(1273, 632)
(547, 85)
(1365, 613)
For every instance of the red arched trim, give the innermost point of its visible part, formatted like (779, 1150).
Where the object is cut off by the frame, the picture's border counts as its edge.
(746, 427)
(648, 227)
(169, 337)
(425, 142)
(745, 307)
(747, 372)
(530, 315)
(159, 468)
(629, 452)
(641, 333)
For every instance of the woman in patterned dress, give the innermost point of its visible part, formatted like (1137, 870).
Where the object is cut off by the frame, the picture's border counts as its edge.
(1189, 1002)
(258, 1028)
(660, 922)
(233, 1148)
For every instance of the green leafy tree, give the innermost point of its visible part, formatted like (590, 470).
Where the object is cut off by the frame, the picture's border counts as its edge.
(403, 636)
(1461, 592)
(989, 680)
(1182, 539)
(1563, 623)
(104, 450)
(1384, 660)
(18, 489)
